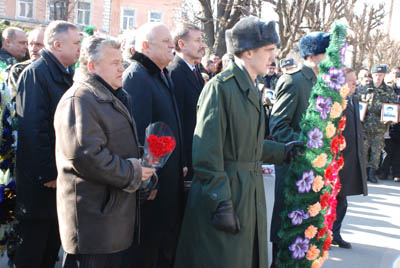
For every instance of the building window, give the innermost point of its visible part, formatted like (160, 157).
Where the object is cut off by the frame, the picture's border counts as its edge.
(25, 8)
(83, 13)
(155, 16)
(57, 10)
(128, 19)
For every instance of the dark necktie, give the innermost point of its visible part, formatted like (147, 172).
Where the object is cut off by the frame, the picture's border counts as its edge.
(196, 75)
(164, 78)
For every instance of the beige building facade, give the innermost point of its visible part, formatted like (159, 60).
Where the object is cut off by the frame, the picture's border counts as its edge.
(108, 16)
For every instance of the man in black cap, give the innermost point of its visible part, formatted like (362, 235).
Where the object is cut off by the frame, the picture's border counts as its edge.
(271, 78)
(225, 217)
(375, 95)
(292, 94)
(287, 65)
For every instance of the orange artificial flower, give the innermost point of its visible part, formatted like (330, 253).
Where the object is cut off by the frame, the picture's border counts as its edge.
(330, 130)
(314, 209)
(310, 232)
(344, 91)
(344, 103)
(336, 110)
(325, 255)
(317, 184)
(320, 161)
(317, 263)
(312, 253)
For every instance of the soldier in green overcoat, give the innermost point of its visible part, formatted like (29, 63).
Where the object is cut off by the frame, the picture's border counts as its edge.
(225, 219)
(292, 94)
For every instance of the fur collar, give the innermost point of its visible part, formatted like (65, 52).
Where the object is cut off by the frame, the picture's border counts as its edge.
(146, 62)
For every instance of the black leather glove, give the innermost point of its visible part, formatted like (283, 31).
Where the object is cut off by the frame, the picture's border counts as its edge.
(292, 149)
(225, 219)
(144, 192)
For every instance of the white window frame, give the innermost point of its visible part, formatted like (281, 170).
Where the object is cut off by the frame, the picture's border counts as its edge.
(122, 18)
(77, 10)
(26, 4)
(154, 11)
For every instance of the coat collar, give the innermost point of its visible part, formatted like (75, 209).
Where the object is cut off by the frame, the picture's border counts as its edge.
(308, 73)
(245, 83)
(57, 70)
(101, 93)
(147, 63)
(190, 76)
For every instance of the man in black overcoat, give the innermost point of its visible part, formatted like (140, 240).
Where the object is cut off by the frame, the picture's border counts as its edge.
(39, 90)
(353, 176)
(188, 83)
(148, 82)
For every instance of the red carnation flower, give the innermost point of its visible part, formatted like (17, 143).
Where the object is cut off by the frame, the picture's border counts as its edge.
(327, 243)
(340, 162)
(324, 200)
(335, 145)
(160, 146)
(342, 123)
(321, 232)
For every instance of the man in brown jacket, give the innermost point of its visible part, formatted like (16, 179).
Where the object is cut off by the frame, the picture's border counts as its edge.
(97, 153)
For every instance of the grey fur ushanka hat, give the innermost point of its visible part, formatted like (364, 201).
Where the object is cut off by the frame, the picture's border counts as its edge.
(250, 33)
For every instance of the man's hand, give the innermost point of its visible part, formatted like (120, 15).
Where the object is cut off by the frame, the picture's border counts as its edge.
(185, 171)
(51, 184)
(147, 172)
(225, 219)
(292, 149)
(152, 195)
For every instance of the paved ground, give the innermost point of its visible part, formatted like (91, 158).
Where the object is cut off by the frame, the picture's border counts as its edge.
(371, 225)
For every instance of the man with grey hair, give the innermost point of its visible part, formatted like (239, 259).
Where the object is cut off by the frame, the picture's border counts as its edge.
(97, 152)
(35, 44)
(14, 45)
(40, 87)
(153, 100)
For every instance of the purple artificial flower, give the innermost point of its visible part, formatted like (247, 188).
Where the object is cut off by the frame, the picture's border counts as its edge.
(323, 106)
(298, 216)
(306, 181)
(299, 248)
(335, 78)
(315, 138)
(343, 52)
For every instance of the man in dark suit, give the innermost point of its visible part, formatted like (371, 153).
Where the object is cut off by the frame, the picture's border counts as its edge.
(353, 176)
(188, 83)
(151, 89)
(40, 87)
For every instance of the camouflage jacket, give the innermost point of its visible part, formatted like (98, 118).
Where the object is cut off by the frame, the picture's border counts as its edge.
(15, 72)
(7, 58)
(375, 97)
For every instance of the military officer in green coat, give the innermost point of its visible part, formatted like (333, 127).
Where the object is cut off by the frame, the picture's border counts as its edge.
(225, 219)
(292, 94)
(374, 95)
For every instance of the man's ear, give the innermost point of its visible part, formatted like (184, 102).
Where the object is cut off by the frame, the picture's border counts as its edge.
(145, 45)
(181, 43)
(57, 44)
(91, 67)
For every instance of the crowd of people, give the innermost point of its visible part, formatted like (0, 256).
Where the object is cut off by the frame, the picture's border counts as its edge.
(82, 107)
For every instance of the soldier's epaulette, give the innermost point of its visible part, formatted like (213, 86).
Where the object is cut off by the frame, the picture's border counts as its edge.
(226, 75)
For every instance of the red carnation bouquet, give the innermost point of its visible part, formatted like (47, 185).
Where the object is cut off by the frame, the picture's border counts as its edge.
(159, 145)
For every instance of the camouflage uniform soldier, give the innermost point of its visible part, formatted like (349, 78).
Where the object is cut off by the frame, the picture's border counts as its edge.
(375, 94)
